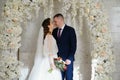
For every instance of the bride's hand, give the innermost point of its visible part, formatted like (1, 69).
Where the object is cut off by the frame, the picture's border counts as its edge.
(52, 66)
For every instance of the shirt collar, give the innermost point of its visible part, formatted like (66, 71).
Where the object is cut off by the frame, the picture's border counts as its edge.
(63, 27)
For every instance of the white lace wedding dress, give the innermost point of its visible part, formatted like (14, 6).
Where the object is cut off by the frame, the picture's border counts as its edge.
(40, 71)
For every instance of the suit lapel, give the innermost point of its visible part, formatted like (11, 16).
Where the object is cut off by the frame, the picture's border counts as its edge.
(56, 33)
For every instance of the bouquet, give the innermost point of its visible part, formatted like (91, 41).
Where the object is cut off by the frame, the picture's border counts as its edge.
(60, 64)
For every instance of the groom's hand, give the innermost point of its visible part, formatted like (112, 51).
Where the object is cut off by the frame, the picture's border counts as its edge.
(68, 62)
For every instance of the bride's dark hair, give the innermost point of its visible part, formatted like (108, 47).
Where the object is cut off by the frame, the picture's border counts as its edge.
(45, 24)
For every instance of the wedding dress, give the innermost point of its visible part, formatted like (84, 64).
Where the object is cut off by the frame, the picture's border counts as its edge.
(42, 62)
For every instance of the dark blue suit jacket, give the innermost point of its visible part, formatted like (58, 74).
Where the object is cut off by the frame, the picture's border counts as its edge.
(66, 43)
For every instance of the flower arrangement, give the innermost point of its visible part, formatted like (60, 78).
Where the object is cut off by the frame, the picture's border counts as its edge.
(59, 63)
(13, 14)
(9, 66)
(101, 39)
(16, 12)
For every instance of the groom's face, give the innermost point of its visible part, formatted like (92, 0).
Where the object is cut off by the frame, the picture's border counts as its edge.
(56, 21)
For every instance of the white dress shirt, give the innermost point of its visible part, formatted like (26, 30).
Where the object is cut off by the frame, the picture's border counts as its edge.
(61, 29)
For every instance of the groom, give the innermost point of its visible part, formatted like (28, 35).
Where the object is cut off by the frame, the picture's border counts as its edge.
(66, 41)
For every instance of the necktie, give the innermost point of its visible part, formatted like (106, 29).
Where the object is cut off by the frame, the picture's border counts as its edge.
(59, 33)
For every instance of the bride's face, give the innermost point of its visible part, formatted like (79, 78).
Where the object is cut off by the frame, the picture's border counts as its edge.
(51, 25)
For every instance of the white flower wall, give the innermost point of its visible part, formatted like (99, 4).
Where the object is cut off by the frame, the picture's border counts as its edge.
(17, 11)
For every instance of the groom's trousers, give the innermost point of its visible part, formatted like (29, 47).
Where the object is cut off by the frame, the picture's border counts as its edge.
(68, 74)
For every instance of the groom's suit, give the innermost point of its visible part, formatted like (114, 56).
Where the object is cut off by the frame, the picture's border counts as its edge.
(66, 48)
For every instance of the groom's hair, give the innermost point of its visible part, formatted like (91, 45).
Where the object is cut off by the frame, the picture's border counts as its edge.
(59, 15)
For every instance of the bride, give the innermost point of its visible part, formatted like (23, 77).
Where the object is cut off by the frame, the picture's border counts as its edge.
(46, 51)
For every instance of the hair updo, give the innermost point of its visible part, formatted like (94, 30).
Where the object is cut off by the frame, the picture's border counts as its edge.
(45, 24)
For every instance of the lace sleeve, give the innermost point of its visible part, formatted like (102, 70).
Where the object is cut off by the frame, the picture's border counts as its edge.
(49, 47)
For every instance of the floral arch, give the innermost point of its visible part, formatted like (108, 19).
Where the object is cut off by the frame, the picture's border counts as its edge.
(16, 12)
